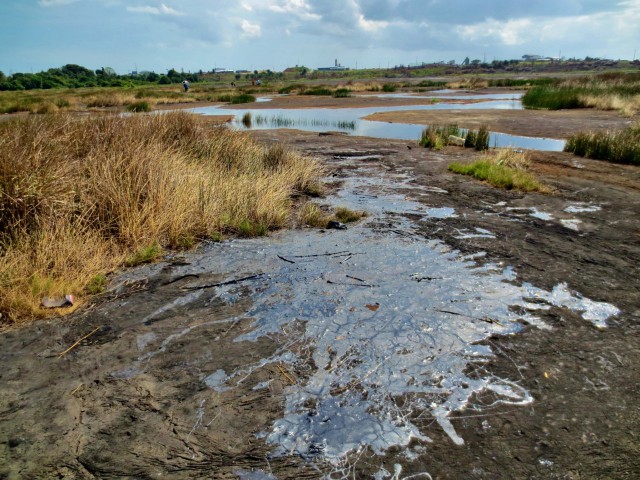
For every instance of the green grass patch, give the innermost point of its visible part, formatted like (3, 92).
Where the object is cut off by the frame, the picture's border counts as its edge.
(499, 176)
(139, 106)
(318, 91)
(342, 93)
(235, 99)
(144, 254)
(389, 87)
(431, 83)
(242, 98)
(249, 228)
(553, 98)
(97, 284)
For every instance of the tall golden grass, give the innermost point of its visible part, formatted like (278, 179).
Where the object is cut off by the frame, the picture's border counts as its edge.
(78, 196)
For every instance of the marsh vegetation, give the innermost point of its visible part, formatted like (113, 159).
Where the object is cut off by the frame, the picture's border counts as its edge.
(439, 136)
(611, 91)
(622, 146)
(81, 196)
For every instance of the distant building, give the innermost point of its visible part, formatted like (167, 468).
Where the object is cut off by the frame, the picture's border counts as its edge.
(533, 58)
(336, 67)
(222, 70)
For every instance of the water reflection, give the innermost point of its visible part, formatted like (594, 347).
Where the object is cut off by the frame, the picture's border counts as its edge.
(351, 120)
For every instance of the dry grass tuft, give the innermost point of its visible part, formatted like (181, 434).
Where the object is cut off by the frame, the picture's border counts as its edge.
(313, 215)
(79, 197)
(471, 83)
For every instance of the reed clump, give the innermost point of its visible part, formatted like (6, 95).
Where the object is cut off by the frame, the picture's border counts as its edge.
(81, 196)
(439, 136)
(503, 168)
(613, 91)
(619, 146)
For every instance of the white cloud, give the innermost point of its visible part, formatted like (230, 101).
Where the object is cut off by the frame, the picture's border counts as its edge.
(512, 32)
(371, 25)
(54, 3)
(251, 30)
(161, 10)
(300, 8)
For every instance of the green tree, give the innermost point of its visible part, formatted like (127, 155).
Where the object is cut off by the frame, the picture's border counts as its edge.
(174, 75)
(76, 71)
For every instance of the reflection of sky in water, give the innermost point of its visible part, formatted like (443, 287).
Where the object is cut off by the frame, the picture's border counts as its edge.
(386, 324)
(386, 317)
(322, 119)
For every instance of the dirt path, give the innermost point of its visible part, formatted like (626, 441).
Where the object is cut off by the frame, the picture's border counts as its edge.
(173, 384)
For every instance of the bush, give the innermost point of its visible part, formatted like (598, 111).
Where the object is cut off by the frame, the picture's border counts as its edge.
(389, 87)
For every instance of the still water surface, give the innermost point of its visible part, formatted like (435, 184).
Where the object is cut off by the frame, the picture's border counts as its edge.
(351, 120)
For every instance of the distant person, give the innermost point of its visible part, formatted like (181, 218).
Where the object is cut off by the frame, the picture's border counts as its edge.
(185, 84)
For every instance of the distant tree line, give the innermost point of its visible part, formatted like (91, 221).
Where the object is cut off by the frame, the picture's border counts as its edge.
(76, 76)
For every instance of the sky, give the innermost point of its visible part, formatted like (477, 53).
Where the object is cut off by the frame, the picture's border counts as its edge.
(193, 35)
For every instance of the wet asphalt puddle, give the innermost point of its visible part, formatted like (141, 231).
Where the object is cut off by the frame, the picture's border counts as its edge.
(391, 327)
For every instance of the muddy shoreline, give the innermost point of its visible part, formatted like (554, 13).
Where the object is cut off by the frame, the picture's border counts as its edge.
(137, 399)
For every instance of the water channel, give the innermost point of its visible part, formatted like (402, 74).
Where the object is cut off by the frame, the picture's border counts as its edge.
(352, 120)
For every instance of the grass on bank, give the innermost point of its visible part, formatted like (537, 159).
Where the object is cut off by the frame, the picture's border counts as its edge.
(503, 168)
(619, 147)
(612, 91)
(81, 196)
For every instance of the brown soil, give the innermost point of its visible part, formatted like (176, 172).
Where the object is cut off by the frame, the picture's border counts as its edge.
(71, 417)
